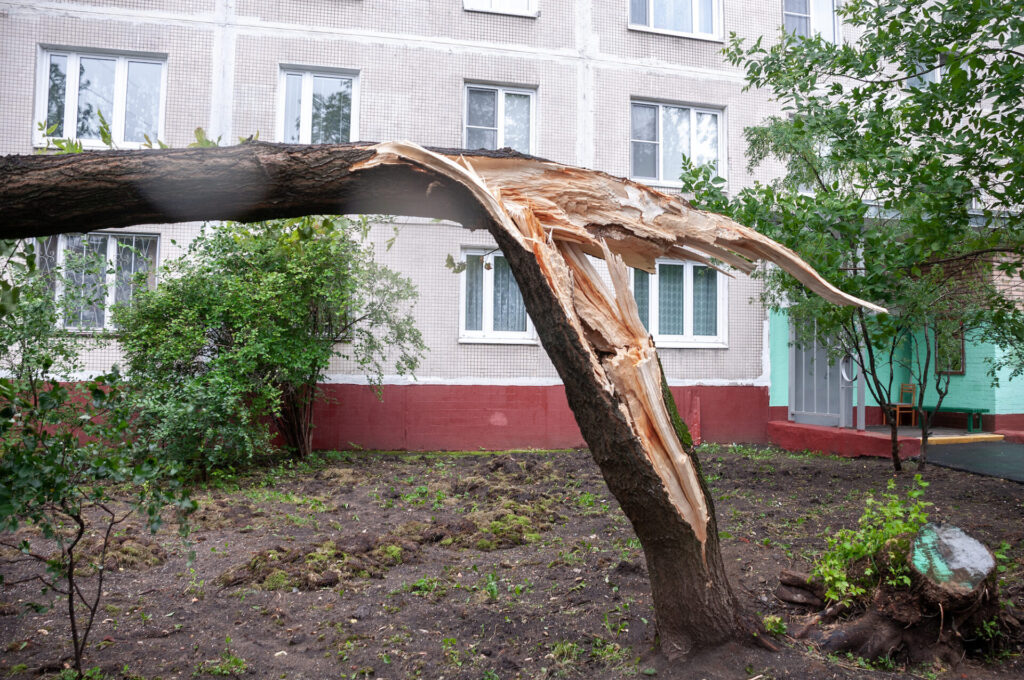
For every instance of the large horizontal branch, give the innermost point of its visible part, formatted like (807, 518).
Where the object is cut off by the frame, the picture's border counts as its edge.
(42, 195)
(50, 194)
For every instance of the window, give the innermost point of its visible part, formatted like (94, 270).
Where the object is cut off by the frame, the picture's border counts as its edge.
(810, 17)
(919, 77)
(683, 305)
(662, 134)
(522, 7)
(492, 308)
(497, 117)
(317, 108)
(698, 17)
(950, 354)
(74, 89)
(97, 272)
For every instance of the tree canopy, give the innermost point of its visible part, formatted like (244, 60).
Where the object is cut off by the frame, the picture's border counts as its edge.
(896, 148)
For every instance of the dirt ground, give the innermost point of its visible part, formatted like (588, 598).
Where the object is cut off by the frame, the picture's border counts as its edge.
(477, 566)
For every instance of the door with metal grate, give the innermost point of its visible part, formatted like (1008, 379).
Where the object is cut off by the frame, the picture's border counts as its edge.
(820, 391)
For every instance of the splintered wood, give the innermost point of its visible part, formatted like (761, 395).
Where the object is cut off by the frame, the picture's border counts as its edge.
(561, 214)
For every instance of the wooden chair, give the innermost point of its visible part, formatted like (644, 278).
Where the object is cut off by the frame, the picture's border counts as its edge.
(907, 400)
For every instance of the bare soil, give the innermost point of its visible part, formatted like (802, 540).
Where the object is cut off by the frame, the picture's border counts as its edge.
(476, 566)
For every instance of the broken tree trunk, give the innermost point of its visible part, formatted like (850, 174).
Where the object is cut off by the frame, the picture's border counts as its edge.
(546, 217)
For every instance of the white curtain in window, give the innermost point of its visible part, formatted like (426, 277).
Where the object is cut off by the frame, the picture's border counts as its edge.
(474, 292)
(142, 100)
(509, 310)
(705, 16)
(517, 121)
(674, 15)
(705, 151)
(671, 298)
(705, 301)
(292, 107)
(642, 295)
(796, 16)
(638, 12)
(675, 125)
(823, 19)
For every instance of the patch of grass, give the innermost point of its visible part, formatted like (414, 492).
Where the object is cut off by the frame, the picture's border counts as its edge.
(566, 652)
(229, 663)
(278, 579)
(774, 625)
(450, 651)
(264, 495)
(389, 554)
(491, 586)
(426, 586)
(753, 452)
(613, 655)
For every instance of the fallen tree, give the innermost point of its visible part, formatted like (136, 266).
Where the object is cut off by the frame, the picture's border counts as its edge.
(546, 217)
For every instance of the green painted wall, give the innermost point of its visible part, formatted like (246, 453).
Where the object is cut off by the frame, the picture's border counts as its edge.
(1010, 393)
(974, 387)
(778, 344)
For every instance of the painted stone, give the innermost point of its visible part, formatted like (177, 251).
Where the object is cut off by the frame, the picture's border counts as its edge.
(948, 556)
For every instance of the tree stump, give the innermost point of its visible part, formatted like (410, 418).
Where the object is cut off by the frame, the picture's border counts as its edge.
(950, 607)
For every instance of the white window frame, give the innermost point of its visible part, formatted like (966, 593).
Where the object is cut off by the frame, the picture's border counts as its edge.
(813, 20)
(694, 110)
(306, 102)
(502, 7)
(487, 335)
(501, 91)
(927, 78)
(687, 340)
(110, 299)
(115, 118)
(716, 22)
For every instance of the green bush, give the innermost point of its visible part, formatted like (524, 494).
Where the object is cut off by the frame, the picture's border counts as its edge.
(242, 329)
(858, 560)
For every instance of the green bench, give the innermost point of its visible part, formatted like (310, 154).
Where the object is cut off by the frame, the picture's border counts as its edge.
(971, 412)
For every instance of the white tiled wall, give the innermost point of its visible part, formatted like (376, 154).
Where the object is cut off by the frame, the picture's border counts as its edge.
(413, 59)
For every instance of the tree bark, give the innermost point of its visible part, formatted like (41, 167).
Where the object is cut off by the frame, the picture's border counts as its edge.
(545, 217)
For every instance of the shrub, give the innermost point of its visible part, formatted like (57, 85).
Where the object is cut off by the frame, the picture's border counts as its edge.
(858, 560)
(243, 327)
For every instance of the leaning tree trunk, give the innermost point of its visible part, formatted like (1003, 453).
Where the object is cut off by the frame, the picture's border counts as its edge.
(546, 217)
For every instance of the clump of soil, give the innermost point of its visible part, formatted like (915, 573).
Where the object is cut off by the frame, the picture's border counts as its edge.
(128, 551)
(512, 565)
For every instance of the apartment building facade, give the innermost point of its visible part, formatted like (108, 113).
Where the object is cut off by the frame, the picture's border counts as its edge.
(623, 86)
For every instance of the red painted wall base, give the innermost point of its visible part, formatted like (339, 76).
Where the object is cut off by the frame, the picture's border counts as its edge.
(495, 417)
(840, 441)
